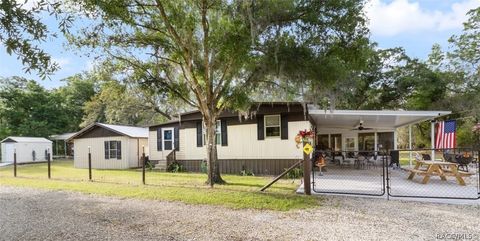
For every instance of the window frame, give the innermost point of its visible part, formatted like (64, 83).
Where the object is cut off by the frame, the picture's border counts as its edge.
(265, 126)
(218, 133)
(172, 140)
(116, 149)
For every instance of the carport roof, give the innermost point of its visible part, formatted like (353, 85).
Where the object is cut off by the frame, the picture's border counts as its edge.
(20, 139)
(371, 118)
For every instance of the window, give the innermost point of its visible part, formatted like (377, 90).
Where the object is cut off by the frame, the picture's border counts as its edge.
(113, 150)
(336, 142)
(366, 141)
(272, 125)
(218, 133)
(168, 139)
(323, 142)
(385, 140)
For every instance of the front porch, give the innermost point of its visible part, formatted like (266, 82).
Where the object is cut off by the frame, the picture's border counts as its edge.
(358, 149)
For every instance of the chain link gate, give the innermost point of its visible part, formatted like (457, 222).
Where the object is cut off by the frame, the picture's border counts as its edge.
(345, 174)
(350, 176)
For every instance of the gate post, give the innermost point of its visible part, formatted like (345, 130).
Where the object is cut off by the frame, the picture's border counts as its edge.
(15, 162)
(48, 163)
(307, 168)
(89, 165)
(143, 165)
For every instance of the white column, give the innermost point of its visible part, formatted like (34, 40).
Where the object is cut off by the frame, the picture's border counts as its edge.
(410, 144)
(329, 142)
(395, 142)
(432, 137)
(376, 143)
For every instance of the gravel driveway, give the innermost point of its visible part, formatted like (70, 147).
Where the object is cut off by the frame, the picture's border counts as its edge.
(28, 214)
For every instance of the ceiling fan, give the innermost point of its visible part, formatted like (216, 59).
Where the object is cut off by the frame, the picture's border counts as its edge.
(360, 127)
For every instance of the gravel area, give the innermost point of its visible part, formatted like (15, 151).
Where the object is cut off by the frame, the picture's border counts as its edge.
(29, 214)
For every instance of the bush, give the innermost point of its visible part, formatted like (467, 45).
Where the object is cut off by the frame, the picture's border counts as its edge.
(246, 173)
(176, 167)
(295, 173)
(204, 167)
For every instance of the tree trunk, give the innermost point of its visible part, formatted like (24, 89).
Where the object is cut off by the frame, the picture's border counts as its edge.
(212, 157)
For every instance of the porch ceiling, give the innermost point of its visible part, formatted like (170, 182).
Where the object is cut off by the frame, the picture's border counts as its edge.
(378, 119)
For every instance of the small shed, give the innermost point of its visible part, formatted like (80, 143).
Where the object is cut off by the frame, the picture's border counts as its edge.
(28, 149)
(111, 146)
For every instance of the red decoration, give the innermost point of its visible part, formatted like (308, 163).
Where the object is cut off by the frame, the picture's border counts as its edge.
(304, 136)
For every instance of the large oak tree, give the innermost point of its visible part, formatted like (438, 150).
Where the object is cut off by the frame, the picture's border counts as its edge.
(212, 54)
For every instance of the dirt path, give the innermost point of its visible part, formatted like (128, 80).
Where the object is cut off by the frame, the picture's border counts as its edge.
(28, 214)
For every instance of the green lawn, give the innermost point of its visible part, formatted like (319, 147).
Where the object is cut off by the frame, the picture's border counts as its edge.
(239, 192)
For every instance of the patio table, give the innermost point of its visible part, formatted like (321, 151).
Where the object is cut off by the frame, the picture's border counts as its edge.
(437, 168)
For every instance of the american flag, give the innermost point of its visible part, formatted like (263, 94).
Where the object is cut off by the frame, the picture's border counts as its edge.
(446, 134)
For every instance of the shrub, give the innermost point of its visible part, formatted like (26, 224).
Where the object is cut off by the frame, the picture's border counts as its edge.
(176, 167)
(204, 167)
(295, 173)
(246, 173)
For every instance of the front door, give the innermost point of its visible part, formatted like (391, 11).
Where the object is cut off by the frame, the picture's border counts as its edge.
(9, 150)
(168, 138)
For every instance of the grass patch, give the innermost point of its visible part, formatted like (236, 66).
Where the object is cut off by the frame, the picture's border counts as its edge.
(239, 192)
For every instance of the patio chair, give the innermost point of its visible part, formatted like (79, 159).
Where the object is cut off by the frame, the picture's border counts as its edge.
(361, 161)
(348, 159)
(372, 161)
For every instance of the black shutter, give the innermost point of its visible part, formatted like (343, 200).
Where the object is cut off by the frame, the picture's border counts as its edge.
(159, 139)
(260, 128)
(284, 127)
(176, 138)
(199, 134)
(119, 150)
(107, 150)
(224, 132)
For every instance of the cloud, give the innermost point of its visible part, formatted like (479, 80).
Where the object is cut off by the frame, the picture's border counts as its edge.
(62, 61)
(405, 16)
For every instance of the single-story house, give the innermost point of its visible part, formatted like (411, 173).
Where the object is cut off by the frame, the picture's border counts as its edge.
(264, 141)
(111, 146)
(28, 149)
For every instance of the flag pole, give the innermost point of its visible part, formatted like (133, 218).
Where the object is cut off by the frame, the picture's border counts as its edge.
(432, 134)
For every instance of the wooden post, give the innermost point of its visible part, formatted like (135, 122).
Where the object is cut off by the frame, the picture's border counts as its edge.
(89, 165)
(307, 168)
(15, 162)
(48, 163)
(143, 165)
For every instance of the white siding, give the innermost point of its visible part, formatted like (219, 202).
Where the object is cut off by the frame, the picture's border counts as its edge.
(97, 149)
(136, 149)
(242, 144)
(24, 151)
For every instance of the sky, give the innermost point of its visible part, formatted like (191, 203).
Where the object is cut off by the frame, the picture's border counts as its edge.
(414, 25)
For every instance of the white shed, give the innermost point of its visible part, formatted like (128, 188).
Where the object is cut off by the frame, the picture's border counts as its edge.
(111, 146)
(28, 149)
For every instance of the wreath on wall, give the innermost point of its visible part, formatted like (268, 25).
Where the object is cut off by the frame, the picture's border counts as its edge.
(304, 137)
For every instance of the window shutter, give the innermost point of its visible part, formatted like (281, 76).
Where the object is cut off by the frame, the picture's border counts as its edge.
(119, 150)
(176, 134)
(260, 128)
(284, 127)
(159, 139)
(224, 132)
(199, 134)
(107, 150)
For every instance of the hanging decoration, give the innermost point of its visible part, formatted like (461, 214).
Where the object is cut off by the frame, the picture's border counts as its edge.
(304, 137)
